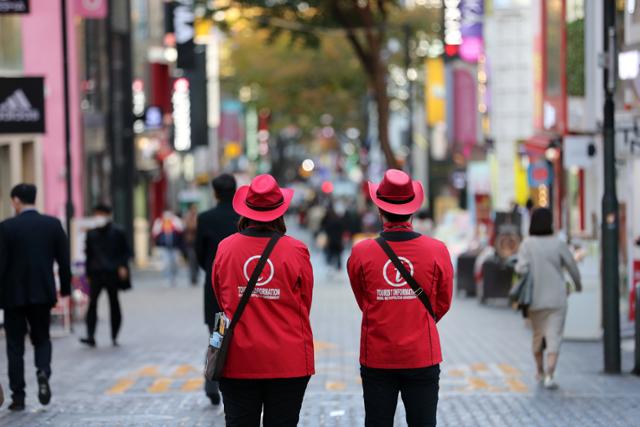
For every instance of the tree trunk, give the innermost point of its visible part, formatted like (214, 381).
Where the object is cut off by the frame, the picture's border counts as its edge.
(382, 105)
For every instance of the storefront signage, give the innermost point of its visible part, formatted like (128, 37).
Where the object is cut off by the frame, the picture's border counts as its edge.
(181, 115)
(540, 173)
(628, 64)
(471, 30)
(465, 118)
(14, 6)
(452, 27)
(22, 105)
(183, 18)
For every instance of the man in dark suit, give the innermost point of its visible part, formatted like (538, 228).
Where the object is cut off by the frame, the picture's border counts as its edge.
(107, 266)
(29, 245)
(214, 226)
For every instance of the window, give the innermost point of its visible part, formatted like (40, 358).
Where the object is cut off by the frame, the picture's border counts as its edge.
(10, 43)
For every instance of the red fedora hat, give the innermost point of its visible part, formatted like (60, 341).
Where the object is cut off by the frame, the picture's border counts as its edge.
(263, 200)
(396, 193)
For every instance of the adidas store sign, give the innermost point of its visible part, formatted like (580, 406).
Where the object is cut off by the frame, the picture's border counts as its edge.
(22, 105)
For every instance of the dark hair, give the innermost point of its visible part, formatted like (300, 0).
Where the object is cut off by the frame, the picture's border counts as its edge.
(26, 193)
(395, 217)
(224, 186)
(275, 225)
(530, 205)
(102, 208)
(424, 214)
(541, 222)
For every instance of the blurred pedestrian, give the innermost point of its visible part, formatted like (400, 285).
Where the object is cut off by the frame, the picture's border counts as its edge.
(270, 359)
(334, 227)
(545, 257)
(403, 283)
(167, 232)
(423, 223)
(107, 266)
(214, 226)
(30, 243)
(190, 229)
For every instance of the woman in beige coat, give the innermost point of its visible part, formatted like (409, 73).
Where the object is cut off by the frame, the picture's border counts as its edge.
(546, 258)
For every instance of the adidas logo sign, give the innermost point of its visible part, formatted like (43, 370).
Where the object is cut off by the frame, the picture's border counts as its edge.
(17, 108)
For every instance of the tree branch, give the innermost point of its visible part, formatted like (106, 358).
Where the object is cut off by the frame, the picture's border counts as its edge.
(365, 57)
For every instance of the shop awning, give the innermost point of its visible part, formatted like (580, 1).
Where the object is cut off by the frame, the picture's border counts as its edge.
(538, 143)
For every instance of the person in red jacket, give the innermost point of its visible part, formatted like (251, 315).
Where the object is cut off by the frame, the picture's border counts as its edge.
(399, 346)
(270, 359)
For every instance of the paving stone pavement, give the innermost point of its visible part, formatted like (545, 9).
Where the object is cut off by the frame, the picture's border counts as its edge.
(154, 377)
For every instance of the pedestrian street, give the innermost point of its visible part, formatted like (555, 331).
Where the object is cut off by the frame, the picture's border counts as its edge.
(155, 377)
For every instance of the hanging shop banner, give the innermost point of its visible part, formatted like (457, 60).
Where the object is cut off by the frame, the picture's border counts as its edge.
(92, 9)
(465, 118)
(22, 105)
(554, 78)
(435, 91)
(471, 30)
(183, 18)
(452, 17)
(14, 6)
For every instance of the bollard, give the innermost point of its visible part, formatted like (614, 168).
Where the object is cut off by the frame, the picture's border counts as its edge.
(636, 366)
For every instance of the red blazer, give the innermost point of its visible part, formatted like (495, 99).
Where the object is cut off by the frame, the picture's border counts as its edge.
(273, 338)
(397, 330)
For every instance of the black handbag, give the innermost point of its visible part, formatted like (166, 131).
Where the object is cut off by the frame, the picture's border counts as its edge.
(217, 356)
(417, 289)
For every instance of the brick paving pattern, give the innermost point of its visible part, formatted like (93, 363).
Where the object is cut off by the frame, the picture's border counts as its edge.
(154, 377)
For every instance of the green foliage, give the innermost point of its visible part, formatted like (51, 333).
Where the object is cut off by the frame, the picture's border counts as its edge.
(575, 58)
(296, 83)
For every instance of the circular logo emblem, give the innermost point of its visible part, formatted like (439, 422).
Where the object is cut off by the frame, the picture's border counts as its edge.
(392, 276)
(267, 272)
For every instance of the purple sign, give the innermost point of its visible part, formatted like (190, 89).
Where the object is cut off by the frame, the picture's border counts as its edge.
(465, 116)
(471, 29)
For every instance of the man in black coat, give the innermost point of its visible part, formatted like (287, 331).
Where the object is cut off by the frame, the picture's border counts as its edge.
(107, 267)
(29, 245)
(214, 226)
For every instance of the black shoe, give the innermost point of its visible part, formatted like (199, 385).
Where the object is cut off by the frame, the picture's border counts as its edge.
(17, 405)
(214, 398)
(115, 342)
(88, 341)
(44, 391)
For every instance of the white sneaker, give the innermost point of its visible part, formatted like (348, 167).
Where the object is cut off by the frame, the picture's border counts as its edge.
(549, 383)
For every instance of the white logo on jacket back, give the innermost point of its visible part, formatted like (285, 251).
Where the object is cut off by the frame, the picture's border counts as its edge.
(391, 274)
(267, 272)
(266, 276)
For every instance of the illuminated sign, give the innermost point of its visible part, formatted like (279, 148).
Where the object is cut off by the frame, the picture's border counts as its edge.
(181, 115)
(452, 27)
(471, 30)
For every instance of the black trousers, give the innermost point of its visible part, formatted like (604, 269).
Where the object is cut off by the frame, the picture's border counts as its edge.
(280, 399)
(97, 283)
(35, 319)
(418, 388)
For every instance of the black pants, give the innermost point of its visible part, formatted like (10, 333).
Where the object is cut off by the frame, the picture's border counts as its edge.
(280, 398)
(97, 283)
(418, 388)
(334, 257)
(36, 319)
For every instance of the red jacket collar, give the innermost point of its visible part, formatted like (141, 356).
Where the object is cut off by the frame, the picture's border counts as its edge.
(397, 226)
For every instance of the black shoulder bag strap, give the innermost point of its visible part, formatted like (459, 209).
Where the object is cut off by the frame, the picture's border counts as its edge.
(253, 280)
(417, 289)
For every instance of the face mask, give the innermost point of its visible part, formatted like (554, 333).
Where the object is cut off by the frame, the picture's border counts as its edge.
(101, 221)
